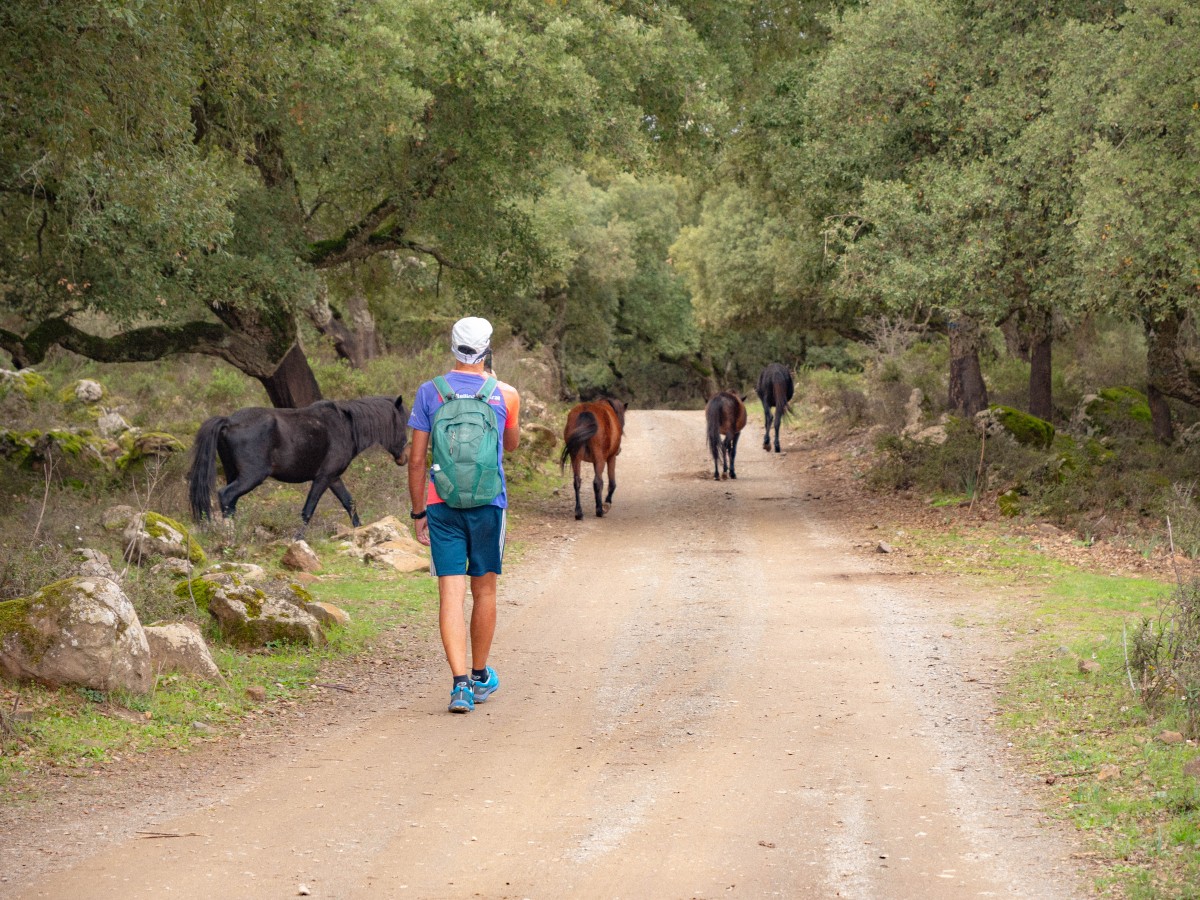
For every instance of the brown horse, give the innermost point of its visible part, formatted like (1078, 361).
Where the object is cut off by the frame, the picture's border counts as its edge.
(593, 433)
(726, 415)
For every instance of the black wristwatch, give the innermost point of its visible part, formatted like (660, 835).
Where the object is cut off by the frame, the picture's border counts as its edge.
(418, 515)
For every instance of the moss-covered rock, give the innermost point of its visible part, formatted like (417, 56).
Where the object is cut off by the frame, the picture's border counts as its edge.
(152, 535)
(139, 445)
(1113, 412)
(26, 383)
(199, 590)
(252, 617)
(1026, 429)
(29, 447)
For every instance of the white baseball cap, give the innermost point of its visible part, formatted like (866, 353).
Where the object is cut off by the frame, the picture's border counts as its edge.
(470, 339)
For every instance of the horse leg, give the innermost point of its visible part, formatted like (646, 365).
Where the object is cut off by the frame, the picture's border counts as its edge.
(733, 441)
(339, 491)
(612, 479)
(598, 485)
(575, 468)
(767, 433)
(778, 420)
(319, 484)
(245, 482)
(724, 458)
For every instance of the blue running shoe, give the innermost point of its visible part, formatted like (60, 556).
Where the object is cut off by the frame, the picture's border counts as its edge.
(461, 698)
(484, 689)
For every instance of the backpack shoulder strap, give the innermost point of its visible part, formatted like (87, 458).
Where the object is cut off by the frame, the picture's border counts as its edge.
(442, 386)
(489, 386)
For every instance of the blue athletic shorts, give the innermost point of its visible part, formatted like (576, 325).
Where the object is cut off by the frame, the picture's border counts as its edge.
(466, 541)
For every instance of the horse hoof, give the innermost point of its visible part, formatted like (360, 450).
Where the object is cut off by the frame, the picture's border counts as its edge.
(733, 476)
(578, 516)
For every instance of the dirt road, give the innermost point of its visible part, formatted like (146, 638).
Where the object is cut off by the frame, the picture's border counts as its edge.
(709, 693)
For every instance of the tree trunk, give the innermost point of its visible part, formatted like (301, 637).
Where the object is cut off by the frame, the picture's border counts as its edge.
(365, 341)
(293, 383)
(1040, 394)
(968, 393)
(358, 341)
(1160, 415)
(1167, 368)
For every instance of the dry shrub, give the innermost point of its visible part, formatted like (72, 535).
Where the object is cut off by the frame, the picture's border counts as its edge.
(1164, 655)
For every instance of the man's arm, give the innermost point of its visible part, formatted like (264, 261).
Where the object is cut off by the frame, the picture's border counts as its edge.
(418, 451)
(512, 424)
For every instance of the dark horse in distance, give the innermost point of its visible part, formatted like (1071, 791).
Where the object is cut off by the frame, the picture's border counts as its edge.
(726, 415)
(593, 433)
(775, 389)
(315, 443)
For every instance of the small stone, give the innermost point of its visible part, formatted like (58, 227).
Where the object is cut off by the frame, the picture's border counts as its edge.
(257, 693)
(883, 547)
(1169, 737)
(1063, 651)
(203, 728)
(88, 391)
(300, 557)
(111, 424)
(1089, 666)
(303, 890)
(328, 614)
(1108, 771)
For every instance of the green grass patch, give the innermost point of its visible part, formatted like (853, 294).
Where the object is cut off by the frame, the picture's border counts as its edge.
(1089, 733)
(79, 729)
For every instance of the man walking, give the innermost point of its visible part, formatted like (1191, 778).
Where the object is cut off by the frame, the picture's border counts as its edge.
(463, 523)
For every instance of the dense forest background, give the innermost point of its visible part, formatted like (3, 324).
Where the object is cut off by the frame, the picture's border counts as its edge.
(664, 196)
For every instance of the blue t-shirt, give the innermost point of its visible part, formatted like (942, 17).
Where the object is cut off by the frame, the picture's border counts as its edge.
(426, 404)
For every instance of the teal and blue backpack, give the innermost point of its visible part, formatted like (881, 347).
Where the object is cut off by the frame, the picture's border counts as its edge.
(466, 446)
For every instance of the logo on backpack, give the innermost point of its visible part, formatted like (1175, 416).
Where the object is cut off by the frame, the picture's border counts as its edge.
(466, 446)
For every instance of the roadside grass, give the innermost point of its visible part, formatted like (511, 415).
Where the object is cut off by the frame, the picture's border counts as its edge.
(1087, 735)
(77, 729)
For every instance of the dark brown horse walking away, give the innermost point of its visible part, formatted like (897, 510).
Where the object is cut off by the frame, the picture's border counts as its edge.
(775, 389)
(315, 443)
(593, 433)
(726, 415)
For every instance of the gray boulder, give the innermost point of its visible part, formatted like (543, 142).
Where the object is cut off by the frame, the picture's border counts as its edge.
(178, 647)
(79, 631)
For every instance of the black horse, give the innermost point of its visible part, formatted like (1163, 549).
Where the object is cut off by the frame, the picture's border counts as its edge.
(775, 389)
(315, 443)
(726, 417)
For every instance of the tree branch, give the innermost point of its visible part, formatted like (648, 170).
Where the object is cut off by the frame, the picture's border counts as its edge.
(138, 345)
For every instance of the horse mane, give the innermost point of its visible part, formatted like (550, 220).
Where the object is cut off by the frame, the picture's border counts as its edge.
(372, 420)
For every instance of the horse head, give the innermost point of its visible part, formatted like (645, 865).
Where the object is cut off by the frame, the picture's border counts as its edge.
(398, 445)
(618, 407)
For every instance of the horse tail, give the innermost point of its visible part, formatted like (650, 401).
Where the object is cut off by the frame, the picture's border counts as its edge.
(713, 414)
(577, 438)
(202, 476)
(780, 388)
